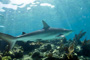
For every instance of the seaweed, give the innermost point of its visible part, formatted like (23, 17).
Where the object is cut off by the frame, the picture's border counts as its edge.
(77, 37)
(70, 51)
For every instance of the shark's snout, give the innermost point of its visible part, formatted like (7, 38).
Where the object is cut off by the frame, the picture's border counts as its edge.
(64, 32)
(69, 32)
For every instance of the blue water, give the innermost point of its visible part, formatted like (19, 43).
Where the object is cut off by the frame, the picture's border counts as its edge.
(68, 14)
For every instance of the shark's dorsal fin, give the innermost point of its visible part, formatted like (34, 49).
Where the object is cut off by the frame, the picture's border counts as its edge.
(45, 25)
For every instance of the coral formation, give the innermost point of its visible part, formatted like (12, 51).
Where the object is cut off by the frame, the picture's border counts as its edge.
(58, 49)
(6, 58)
(0, 57)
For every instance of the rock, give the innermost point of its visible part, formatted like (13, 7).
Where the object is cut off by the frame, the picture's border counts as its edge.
(3, 44)
(63, 40)
(0, 57)
(56, 51)
(36, 56)
(52, 58)
(78, 49)
(45, 47)
(18, 52)
(27, 57)
(81, 58)
(6, 58)
(27, 46)
(86, 50)
(10, 53)
(53, 46)
(71, 57)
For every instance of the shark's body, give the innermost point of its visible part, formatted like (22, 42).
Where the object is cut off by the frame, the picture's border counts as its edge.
(47, 33)
(51, 33)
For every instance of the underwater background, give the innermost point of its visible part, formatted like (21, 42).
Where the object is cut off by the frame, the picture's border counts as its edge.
(17, 16)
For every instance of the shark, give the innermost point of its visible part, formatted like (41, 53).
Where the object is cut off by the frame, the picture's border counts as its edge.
(46, 33)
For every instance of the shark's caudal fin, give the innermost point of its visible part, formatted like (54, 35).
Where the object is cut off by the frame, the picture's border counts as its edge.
(9, 39)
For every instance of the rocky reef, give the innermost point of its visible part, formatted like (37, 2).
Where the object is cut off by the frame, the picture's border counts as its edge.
(59, 49)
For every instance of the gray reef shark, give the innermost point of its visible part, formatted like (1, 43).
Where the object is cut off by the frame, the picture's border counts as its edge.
(47, 33)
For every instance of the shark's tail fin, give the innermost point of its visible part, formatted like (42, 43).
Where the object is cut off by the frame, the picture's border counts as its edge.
(9, 39)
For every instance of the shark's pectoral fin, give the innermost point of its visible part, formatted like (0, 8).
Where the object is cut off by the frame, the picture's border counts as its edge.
(60, 35)
(45, 25)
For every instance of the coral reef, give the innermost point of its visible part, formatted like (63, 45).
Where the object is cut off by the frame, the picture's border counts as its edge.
(0, 57)
(59, 49)
(6, 58)
(77, 37)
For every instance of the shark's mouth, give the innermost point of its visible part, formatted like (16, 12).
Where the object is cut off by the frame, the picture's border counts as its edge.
(60, 35)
